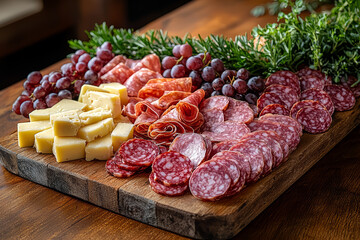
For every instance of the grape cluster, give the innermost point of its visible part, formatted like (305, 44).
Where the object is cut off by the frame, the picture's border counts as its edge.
(44, 91)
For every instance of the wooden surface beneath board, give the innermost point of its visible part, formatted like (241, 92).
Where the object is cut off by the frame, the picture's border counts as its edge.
(322, 204)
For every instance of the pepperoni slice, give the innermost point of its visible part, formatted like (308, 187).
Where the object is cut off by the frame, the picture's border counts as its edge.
(210, 181)
(139, 152)
(275, 109)
(166, 190)
(314, 120)
(113, 169)
(288, 95)
(305, 103)
(341, 96)
(320, 96)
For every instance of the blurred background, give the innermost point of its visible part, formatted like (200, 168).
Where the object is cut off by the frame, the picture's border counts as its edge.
(34, 33)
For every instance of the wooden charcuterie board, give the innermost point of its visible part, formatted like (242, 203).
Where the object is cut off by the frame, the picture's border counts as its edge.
(184, 215)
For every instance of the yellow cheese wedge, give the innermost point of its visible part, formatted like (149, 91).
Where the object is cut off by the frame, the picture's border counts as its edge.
(121, 133)
(65, 124)
(100, 149)
(96, 130)
(121, 119)
(62, 106)
(68, 148)
(27, 130)
(107, 101)
(44, 141)
(118, 89)
(94, 116)
(86, 87)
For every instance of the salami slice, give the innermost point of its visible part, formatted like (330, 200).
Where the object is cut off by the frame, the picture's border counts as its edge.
(188, 107)
(210, 181)
(170, 98)
(211, 117)
(285, 78)
(111, 64)
(311, 81)
(208, 144)
(172, 168)
(268, 98)
(139, 152)
(341, 96)
(314, 120)
(215, 102)
(287, 94)
(151, 61)
(113, 169)
(286, 120)
(191, 145)
(131, 63)
(157, 87)
(142, 124)
(255, 109)
(275, 109)
(275, 147)
(137, 80)
(120, 73)
(123, 165)
(129, 109)
(349, 84)
(228, 130)
(305, 103)
(222, 146)
(320, 96)
(284, 145)
(238, 111)
(166, 190)
(308, 71)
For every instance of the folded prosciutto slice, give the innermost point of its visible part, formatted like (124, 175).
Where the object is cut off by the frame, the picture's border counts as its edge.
(188, 108)
(157, 87)
(134, 83)
(120, 73)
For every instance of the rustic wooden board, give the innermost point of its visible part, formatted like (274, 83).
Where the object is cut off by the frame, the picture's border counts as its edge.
(184, 215)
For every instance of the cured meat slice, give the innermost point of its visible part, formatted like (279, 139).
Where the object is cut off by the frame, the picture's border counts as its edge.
(215, 102)
(191, 145)
(287, 94)
(320, 96)
(210, 181)
(349, 84)
(341, 96)
(314, 120)
(211, 117)
(157, 87)
(120, 73)
(123, 165)
(166, 190)
(311, 81)
(266, 152)
(188, 107)
(238, 111)
(275, 109)
(268, 98)
(147, 107)
(222, 146)
(255, 109)
(172, 168)
(129, 109)
(275, 147)
(131, 63)
(139, 152)
(288, 133)
(285, 78)
(208, 144)
(256, 158)
(286, 120)
(151, 61)
(137, 80)
(113, 169)
(305, 103)
(142, 124)
(284, 146)
(243, 161)
(228, 130)
(163, 149)
(170, 98)
(111, 64)
(308, 71)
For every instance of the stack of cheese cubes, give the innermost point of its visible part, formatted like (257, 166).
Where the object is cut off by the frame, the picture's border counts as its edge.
(91, 128)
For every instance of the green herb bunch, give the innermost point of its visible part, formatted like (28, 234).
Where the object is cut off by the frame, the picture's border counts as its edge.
(328, 41)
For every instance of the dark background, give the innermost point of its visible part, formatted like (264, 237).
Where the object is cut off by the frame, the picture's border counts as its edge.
(39, 40)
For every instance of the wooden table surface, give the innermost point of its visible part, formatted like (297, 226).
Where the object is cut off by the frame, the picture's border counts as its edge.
(323, 204)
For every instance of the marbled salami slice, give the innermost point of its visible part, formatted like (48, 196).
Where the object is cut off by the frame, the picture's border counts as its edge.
(268, 98)
(275, 109)
(311, 81)
(287, 94)
(188, 107)
(320, 96)
(111, 64)
(285, 78)
(211, 117)
(123, 165)
(172, 168)
(349, 84)
(228, 130)
(341, 96)
(157, 87)
(151, 61)
(139, 152)
(222, 146)
(256, 158)
(215, 102)
(286, 120)
(308, 71)
(314, 120)
(210, 181)
(113, 169)
(192, 145)
(284, 145)
(239, 111)
(305, 103)
(166, 190)
(120, 73)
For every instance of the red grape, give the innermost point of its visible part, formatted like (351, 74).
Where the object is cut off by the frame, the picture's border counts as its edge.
(217, 65)
(186, 50)
(217, 84)
(52, 99)
(77, 86)
(215, 93)
(26, 93)
(65, 94)
(176, 51)
(39, 92)
(26, 107)
(196, 78)
(107, 45)
(95, 64)
(104, 54)
(240, 86)
(85, 58)
(206, 86)
(243, 74)
(46, 86)
(208, 74)
(207, 58)
(256, 84)
(80, 52)
(168, 62)
(178, 71)
(90, 76)
(167, 73)
(39, 104)
(67, 69)
(63, 83)
(228, 90)
(34, 77)
(74, 58)
(18, 102)
(81, 67)
(239, 96)
(194, 63)
(227, 75)
(54, 77)
(251, 98)
(28, 86)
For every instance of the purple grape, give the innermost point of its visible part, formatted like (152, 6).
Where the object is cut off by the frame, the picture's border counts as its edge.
(54, 77)
(81, 67)
(207, 58)
(25, 93)
(65, 94)
(77, 86)
(90, 76)
(52, 99)
(167, 73)
(208, 74)
(251, 98)
(85, 58)
(217, 65)
(228, 90)
(206, 86)
(178, 71)
(243, 74)
(215, 93)
(256, 84)
(186, 50)
(74, 58)
(18, 102)
(39, 92)
(217, 84)
(39, 104)
(107, 45)
(227, 75)
(168, 62)
(104, 55)
(26, 107)
(196, 78)
(240, 86)
(239, 96)
(95, 64)
(194, 63)
(34, 77)
(176, 51)
(28, 86)
(67, 69)
(63, 83)
(80, 52)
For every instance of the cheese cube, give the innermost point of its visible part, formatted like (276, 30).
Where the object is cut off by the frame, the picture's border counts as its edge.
(107, 101)
(121, 119)
(65, 124)
(86, 87)
(118, 89)
(94, 116)
(96, 130)
(68, 148)
(100, 149)
(44, 141)
(62, 106)
(27, 130)
(121, 133)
